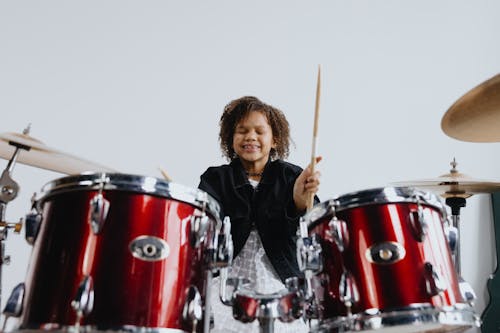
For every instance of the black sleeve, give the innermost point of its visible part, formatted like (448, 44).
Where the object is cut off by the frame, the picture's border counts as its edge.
(210, 183)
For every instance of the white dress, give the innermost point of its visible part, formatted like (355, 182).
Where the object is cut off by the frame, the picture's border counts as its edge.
(253, 264)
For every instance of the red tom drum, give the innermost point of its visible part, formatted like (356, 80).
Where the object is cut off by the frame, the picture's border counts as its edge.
(387, 264)
(120, 252)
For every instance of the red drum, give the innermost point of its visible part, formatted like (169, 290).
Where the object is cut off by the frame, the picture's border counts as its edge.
(386, 264)
(120, 252)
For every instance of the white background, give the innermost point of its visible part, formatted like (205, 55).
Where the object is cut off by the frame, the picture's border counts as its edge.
(140, 84)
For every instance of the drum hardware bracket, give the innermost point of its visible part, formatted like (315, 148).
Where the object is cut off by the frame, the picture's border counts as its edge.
(310, 260)
(99, 208)
(193, 307)
(349, 293)
(199, 226)
(83, 303)
(222, 247)
(418, 222)
(434, 283)
(14, 305)
(338, 231)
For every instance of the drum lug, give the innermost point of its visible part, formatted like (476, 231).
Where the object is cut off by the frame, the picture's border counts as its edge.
(222, 246)
(348, 289)
(466, 291)
(83, 303)
(434, 282)
(418, 223)
(451, 234)
(14, 305)
(193, 307)
(199, 227)
(338, 231)
(99, 207)
(32, 222)
(32, 226)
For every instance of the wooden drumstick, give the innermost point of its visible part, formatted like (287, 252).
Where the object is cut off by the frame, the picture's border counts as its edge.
(310, 200)
(165, 174)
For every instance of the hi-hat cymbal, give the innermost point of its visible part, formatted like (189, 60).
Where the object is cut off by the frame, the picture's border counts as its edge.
(475, 117)
(37, 154)
(454, 184)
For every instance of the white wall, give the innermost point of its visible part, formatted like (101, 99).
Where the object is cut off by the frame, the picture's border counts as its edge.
(141, 84)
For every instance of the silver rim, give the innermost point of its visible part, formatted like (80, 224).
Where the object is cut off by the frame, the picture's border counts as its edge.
(449, 318)
(93, 181)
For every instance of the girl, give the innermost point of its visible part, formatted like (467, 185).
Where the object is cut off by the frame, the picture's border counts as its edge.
(264, 196)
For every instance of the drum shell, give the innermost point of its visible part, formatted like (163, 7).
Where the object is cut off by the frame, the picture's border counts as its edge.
(384, 287)
(128, 291)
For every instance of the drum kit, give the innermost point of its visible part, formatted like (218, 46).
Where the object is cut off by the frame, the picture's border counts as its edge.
(120, 252)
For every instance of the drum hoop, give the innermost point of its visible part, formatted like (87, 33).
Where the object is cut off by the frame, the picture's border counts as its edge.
(94, 181)
(373, 196)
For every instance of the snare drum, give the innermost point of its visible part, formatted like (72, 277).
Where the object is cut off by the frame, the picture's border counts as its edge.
(120, 252)
(386, 264)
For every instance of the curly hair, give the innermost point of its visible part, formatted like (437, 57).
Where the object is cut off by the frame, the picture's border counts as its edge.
(237, 110)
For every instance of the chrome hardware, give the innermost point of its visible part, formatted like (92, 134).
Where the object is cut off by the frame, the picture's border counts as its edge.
(99, 207)
(149, 248)
(14, 305)
(193, 307)
(199, 228)
(451, 234)
(349, 294)
(222, 246)
(32, 226)
(434, 283)
(310, 260)
(309, 254)
(339, 232)
(229, 285)
(385, 253)
(466, 291)
(9, 187)
(418, 222)
(83, 303)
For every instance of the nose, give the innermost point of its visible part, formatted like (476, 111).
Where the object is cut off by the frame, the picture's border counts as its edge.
(251, 136)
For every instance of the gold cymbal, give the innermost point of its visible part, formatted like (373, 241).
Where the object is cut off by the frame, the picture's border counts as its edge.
(475, 117)
(37, 154)
(454, 184)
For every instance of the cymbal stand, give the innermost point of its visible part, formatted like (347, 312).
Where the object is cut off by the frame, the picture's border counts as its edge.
(8, 192)
(455, 204)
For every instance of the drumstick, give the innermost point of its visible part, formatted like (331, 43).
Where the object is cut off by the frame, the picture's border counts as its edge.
(165, 174)
(310, 200)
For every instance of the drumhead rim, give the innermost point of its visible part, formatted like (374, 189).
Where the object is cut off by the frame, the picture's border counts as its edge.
(93, 181)
(373, 196)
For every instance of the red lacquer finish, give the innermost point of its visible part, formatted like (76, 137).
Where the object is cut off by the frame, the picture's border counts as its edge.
(127, 290)
(387, 287)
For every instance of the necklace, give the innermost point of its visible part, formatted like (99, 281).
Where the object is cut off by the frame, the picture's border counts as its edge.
(253, 174)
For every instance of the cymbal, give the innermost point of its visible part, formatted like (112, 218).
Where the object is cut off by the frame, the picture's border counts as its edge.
(475, 117)
(37, 154)
(454, 184)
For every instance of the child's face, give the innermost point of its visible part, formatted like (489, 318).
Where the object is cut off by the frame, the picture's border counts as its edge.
(253, 140)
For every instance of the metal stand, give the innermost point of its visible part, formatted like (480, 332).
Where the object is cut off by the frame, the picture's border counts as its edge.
(8, 192)
(455, 204)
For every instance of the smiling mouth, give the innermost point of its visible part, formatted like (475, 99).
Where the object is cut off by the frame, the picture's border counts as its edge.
(250, 147)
